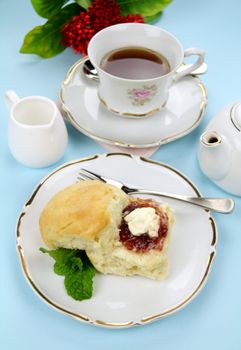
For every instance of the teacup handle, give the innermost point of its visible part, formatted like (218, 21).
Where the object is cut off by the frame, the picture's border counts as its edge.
(191, 68)
(11, 98)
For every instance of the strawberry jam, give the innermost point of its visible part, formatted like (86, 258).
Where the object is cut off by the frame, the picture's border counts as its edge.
(143, 243)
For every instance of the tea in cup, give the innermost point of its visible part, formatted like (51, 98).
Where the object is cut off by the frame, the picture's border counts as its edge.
(136, 65)
(37, 135)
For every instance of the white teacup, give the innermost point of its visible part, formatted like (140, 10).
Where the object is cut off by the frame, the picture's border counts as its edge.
(138, 98)
(37, 135)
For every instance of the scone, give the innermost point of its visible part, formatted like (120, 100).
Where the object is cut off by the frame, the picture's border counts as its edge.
(121, 235)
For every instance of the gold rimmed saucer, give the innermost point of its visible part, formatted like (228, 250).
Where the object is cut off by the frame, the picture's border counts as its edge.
(182, 113)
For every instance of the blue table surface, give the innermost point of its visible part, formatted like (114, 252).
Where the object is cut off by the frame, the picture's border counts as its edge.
(212, 319)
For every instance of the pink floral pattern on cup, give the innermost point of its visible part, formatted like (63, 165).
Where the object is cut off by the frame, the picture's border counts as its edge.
(140, 96)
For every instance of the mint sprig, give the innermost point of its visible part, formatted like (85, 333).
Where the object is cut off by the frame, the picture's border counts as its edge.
(77, 270)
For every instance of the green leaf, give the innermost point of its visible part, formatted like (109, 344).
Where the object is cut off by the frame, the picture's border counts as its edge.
(77, 269)
(61, 269)
(47, 8)
(76, 264)
(45, 40)
(144, 7)
(151, 19)
(61, 255)
(66, 260)
(84, 3)
(79, 285)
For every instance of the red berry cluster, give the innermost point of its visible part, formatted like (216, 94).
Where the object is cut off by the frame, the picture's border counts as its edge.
(101, 14)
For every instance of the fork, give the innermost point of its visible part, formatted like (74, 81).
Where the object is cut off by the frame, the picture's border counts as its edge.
(220, 205)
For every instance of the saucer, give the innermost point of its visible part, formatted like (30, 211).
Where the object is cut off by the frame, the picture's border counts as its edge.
(183, 112)
(123, 301)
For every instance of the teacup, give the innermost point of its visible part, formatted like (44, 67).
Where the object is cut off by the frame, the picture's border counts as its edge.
(139, 97)
(37, 135)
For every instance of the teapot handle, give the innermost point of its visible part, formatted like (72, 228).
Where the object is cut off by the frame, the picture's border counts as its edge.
(11, 98)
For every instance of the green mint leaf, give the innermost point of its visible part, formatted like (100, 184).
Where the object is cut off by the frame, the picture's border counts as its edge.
(77, 269)
(76, 264)
(66, 260)
(61, 269)
(45, 40)
(79, 285)
(47, 8)
(61, 255)
(84, 3)
(144, 7)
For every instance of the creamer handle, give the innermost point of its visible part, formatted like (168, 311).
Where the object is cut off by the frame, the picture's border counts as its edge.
(11, 98)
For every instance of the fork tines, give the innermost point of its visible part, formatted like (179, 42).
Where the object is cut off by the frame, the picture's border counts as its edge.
(87, 175)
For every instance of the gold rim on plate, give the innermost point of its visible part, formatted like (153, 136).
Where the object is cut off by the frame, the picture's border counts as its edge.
(85, 318)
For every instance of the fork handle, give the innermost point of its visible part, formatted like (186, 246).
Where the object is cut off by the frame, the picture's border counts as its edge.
(220, 205)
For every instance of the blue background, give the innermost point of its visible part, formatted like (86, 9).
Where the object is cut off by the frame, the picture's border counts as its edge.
(212, 319)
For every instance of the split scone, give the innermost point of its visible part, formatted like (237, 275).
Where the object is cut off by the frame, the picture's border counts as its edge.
(121, 235)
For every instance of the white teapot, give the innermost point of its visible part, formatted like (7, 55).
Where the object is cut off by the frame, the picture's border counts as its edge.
(220, 149)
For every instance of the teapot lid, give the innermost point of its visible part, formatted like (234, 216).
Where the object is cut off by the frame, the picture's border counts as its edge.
(236, 115)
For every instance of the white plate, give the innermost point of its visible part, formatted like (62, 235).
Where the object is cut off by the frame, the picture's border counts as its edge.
(123, 301)
(183, 113)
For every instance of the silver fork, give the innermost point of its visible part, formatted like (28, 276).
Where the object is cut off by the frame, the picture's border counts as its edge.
(220, 205)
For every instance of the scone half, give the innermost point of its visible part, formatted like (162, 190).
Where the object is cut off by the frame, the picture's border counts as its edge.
(138, 255)
(83, 216)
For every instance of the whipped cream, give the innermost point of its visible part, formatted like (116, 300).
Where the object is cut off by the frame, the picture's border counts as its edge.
(143, 220)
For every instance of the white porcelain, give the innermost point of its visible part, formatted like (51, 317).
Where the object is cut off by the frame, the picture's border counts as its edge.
(183, 112)
(129, 97)
(37, 135)
(123, 301)
(220, 149)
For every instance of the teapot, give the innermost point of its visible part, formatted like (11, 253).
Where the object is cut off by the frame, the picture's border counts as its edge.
(37, 135)
(219, 151)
